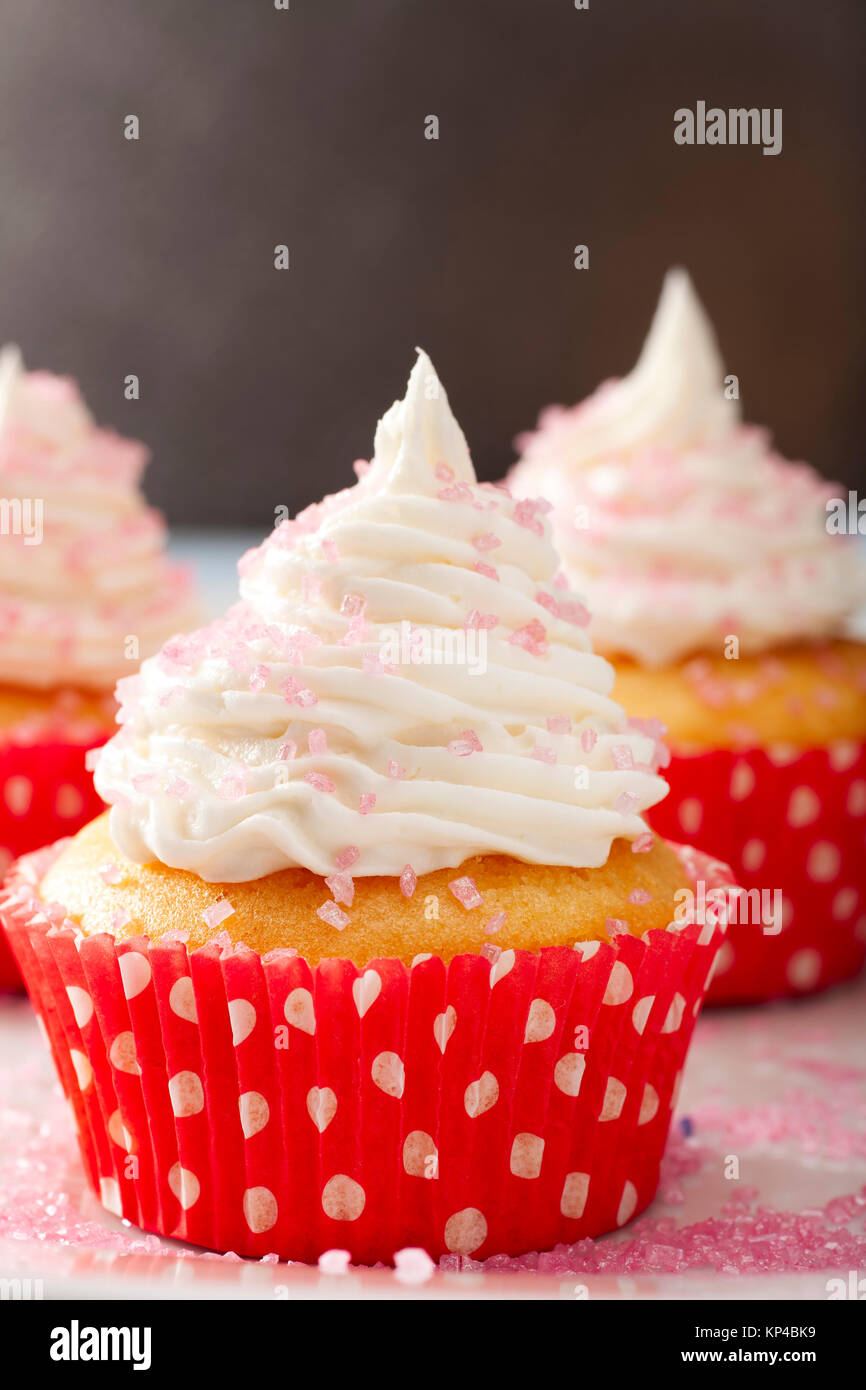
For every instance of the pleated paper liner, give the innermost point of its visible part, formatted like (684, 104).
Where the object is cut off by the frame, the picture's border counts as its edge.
(503, 1103)
(45, 792)
(784, 819)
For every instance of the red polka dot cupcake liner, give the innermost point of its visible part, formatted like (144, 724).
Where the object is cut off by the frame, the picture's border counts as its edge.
(503, 1103)
(786, 819)
(45, 792)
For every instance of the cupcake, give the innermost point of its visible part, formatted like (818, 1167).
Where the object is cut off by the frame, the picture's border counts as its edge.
(84, 591)
(722, 598)
(375, 949)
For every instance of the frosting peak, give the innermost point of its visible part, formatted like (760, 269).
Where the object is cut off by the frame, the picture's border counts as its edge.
(84, 584)
(678, 524)
(405, 681)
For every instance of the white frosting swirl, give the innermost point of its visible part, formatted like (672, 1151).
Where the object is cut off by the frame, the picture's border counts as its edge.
(297, 729)
(676, 523)
(83, 576)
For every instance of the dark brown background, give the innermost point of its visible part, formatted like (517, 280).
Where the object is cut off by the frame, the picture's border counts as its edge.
(306, 127)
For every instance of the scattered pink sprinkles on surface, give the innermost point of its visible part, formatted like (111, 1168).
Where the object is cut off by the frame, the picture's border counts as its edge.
(217, 913)
(616, 926)
(466, 892)
(486, 541)
(588, 740)
(333, 915)
(347, 857)
(644, 843)
(495, 923)
(396, 771)
(408, 881)
(639, 897)
(287, 750)
(110, 873)
(487, 570)
(366, 803)
(317, 741)
(623, 758)
(468, 742)
(342, 885)
(320, 782)
(558, 724)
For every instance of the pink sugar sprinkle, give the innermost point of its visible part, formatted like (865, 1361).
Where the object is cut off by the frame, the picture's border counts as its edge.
(558, 724)
(588, 740)
(525, 515)
(544, 755)
(396, 770)
(443, 472)
(217, 913)
(625, 803)
(455, 492)
(487, 570)
(348, 856)
(110, 873)
(532, 637)
(311, 588)
(287, 750)
(639, 896)
(466, 892)
(475, 619)
(259, 677)
(366, 803)
(179, 789)
(486, 541)
(342, 886)
(317, 740)
(333, 915)
(355, 633)
(306, 699)
(495, 923)
(118, 919)
(290, 687)
(467, 743)
(371, 664)
(560, 580)
(146, 782)
(408, 880)
(615, 926)
(320, 782)
(234, 784)
(644, 843)
(571, 610)
(548, 601)
(353, 605)
(622, 756)
(490, 952)
(330, 550)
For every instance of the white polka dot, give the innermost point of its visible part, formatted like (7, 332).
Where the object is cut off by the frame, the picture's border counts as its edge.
(723, 961)
(614, 1099)
(260, 1209)
(804, 808)
(109, 1195)
(421, 957)
(389, 1074)
(420, 1157)
(443, 1026)
(843, 754)
(649, 1104)
(321, 1106)
(675, 1093)
(254, 1111)
(68, 801)
(186, 1094)
(185, 1186)
(753, 855)
(182, 999)
(860, 928)
(641, 1012)
(823, 862)
(742, 781)
(568, 1073)
(674, 1016)
(119, 1133)
(83, 1069)
(502, 967)
(465, 1231)
(620, 986)
(82, 1004)
(481, 1095)
(783, 754)
(627, 1204)
(573, 1201)
(586, 949)
(856, 803)
(845, 904)
(803, 969)
(299, 1011)
(18, 794)
(690, 814)
(527, 1152)
(242, 1017)
(343, 1199)
(540, 1022)
(135, 973)
(121, 1054)
(366, 990)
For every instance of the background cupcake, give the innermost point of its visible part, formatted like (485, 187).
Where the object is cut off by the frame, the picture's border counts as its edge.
(721, 597)
(377, 950)
(85, 592)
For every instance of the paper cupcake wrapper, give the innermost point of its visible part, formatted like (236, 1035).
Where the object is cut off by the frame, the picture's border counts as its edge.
(258, 1105)
(45, 792)
(783, 819)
